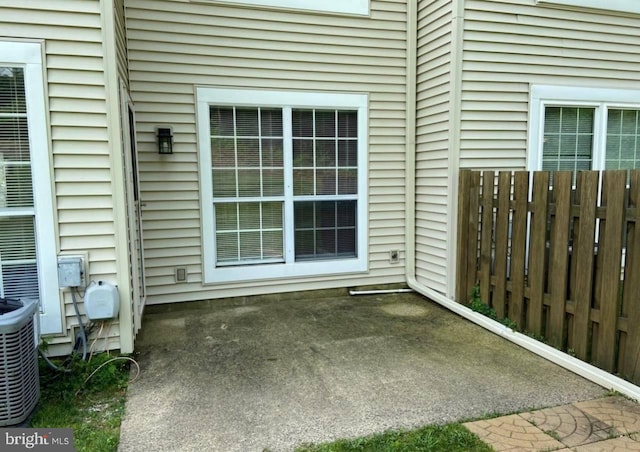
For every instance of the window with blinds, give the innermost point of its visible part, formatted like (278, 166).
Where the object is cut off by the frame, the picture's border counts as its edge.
(568, 139)
(248, 184)
(570, 144)
(623, 139)
(19, 275)
(249, 194)
(325, 165)
(283, 183)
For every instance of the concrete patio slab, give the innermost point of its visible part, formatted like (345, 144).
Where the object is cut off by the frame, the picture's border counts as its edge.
(272, 373)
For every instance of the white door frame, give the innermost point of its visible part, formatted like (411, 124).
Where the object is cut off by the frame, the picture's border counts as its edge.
(134, 206)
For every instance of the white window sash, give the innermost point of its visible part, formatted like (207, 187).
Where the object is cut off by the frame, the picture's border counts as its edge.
(358, 7)
(602, 99)
(28, 55)
(287, 100)
(628, 6)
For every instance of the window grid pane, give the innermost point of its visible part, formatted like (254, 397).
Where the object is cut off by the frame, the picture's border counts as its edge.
(623, 139)
(325, 230)
(19, 277)
(246, 152)
(324, 152)
(247, 162)
(249, 232)
(568, 139)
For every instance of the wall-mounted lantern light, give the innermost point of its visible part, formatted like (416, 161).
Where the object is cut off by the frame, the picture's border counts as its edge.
(165, 140)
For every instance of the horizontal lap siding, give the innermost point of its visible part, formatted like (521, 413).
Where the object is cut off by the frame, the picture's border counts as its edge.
(432, 159)
(176, 45)
(509, 45)
(71, 30)
(121, 41)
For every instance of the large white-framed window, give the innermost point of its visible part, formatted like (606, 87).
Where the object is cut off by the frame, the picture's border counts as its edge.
(578, 128)
(283, 180)
(28, 261)
(628, 6)
(359, 7)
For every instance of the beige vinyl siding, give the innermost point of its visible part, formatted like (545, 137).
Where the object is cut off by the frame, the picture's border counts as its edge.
(512, 44)
(121, 41)
(432, 146)
(174, 46)
(72, 35)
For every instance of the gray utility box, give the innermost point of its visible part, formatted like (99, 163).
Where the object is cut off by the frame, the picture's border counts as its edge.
(19, 378)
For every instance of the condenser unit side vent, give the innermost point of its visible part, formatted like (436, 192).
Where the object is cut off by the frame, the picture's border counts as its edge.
(19, 380)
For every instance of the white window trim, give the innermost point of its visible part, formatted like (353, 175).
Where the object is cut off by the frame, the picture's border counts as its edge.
(359, 7)
(29, 56)
(628, 6)
(206, 96)
(600, 98)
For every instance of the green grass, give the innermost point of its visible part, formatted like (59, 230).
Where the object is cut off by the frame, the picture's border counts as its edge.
(92, 406)
(446, 438)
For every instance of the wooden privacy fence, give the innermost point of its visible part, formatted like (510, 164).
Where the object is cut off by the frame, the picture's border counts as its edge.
(561, 261)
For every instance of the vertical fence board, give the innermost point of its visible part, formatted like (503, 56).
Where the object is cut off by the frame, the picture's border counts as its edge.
(538, 248)
(559, 257)
(464, 189)
(577, 289)
(502, 242)
(486, 235)
(613, 197)
(473, 223)
(583, 255)
(631, 290)
(518, 247)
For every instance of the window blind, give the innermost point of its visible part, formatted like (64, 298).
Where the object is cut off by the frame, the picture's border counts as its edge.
(248, 184)
(623, 139)
(325, 167)
(568, 139)
(18, 265)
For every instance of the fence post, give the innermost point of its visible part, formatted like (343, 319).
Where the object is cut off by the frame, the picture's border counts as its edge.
(464, 181)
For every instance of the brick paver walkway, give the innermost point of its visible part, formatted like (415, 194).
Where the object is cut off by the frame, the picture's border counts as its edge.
(607, 424)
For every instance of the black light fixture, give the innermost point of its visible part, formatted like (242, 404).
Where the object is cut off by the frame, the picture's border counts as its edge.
(165, 140)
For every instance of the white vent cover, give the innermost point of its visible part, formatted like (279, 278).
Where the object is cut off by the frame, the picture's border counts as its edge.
(19, 379)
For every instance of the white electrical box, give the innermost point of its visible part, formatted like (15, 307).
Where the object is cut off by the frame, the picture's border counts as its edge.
(101, 301)
(70, 271)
